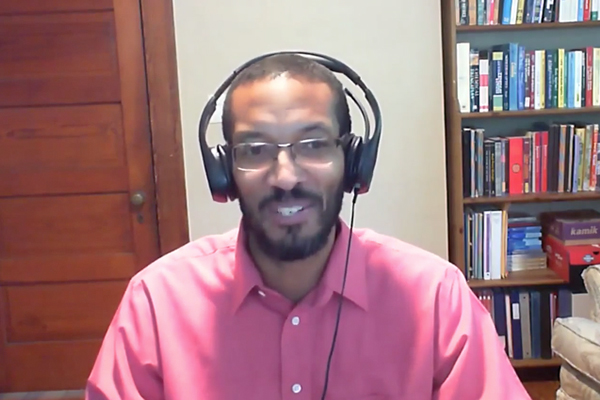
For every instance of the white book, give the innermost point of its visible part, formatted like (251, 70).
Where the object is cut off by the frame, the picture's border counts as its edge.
(484, 71)
(463, 76)
(575, 5)
(538, 75)
(487, 247)
(495, 240)
(578, 65)
(596, 76)
(513, 12)
(563, 11)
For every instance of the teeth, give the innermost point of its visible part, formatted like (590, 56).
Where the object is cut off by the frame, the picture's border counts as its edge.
(287, 211)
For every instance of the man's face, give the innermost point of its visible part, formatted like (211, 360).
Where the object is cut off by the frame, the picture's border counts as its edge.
(290, 198)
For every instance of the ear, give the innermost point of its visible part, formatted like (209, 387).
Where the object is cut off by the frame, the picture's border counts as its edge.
(352, 149)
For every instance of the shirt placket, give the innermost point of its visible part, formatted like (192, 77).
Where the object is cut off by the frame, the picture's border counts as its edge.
(295, 356)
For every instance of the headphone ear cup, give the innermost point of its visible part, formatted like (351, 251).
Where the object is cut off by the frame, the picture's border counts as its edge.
(224, 159)
(352, 151)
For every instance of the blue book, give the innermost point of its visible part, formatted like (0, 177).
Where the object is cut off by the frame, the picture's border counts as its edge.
(506, 12)
(521, 79)
(524, 235)
(549, 78)
(500, 315)
(513, 79)
(536, 324)
(515, 316)
(570, 80)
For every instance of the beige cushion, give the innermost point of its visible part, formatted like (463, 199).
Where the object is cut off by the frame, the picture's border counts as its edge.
(591, 280)
(561, 395)
(577, 385)
(577, 341)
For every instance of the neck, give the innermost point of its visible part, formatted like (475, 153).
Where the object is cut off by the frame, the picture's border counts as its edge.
(292, 279)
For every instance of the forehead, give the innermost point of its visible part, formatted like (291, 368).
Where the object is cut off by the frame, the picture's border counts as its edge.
(281, 107)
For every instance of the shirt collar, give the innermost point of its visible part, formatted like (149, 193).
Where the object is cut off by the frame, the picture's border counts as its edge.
(246, 276)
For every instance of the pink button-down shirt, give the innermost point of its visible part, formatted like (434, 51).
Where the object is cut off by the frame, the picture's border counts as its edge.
(200, 324)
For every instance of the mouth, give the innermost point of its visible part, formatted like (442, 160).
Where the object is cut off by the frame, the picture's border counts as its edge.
(291, 213)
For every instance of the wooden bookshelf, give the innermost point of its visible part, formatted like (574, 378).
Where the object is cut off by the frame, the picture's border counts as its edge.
(524, 27)
(536, 362)
(484, 37)
(537, 277)
(531, 113)
(454, 120)
(533, 198)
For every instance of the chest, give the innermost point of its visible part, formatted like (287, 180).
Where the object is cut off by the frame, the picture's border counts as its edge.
(261, 353)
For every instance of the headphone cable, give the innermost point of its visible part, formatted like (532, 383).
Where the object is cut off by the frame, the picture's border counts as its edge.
(339, 310)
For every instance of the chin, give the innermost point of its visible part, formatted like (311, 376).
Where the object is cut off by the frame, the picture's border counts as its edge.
(290, 243)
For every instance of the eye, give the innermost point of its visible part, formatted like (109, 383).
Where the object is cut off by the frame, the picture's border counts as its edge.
(317, 144)
(252, 149)
(313, 144)
(315, 149)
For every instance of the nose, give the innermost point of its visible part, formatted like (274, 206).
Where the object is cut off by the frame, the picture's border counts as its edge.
(286, 174)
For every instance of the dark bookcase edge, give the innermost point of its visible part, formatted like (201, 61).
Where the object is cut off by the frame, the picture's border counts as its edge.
(530, 112)
(534, 26)
(534, 198)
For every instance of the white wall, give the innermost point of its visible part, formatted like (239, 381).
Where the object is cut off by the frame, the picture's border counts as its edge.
(395, 45)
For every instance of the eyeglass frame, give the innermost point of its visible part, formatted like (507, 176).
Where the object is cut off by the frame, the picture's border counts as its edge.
(278, 147)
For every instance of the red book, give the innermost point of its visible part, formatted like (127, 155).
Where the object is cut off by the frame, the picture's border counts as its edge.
(538, 162)
(589, 73)
(544, 161)
(587, 11)
(515, 162)
(594, 157)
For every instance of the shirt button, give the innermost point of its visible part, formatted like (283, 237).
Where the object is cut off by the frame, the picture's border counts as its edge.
(296, 388)
(295, 320)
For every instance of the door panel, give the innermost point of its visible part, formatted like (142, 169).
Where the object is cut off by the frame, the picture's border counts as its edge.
(58, 59)
(66, 238)
(77, 206)
(90, 137)
(38, 6)
(53, 365)
(68, 149)
(61, 312)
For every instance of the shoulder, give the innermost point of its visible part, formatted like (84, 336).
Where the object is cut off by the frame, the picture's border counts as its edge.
(205, 258)
(403, 263)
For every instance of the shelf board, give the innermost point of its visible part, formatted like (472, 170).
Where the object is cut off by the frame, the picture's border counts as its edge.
(533, 198)
(536, 277)
(530, 113)
(522, 27)
(536, 362)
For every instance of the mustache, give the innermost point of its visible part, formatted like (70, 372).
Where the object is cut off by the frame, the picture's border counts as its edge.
(296, 193)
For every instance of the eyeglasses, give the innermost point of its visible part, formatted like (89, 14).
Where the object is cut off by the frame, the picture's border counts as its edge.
(257, 156)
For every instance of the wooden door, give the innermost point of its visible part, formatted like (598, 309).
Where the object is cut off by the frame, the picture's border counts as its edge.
(77, 202)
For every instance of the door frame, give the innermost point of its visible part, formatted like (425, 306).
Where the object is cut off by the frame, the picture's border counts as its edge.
(160, 61)
(165, 123)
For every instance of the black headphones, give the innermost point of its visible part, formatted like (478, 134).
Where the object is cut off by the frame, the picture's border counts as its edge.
(360, 155)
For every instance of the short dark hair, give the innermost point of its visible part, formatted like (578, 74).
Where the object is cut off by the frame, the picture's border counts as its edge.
(295, 66)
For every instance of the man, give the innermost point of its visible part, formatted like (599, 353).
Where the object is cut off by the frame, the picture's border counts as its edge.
(250, 314)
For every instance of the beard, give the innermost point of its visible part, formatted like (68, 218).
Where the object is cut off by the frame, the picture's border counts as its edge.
(293, 246)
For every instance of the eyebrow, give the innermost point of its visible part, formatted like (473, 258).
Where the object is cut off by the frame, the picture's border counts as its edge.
(248, 135)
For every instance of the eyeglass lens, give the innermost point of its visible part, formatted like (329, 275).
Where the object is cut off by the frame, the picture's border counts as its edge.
(261, 155)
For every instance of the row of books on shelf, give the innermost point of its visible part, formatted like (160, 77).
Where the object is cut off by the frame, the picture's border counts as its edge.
(498, 243)
(513, 12)
(509, 77)
(557, 157)
(524, 318)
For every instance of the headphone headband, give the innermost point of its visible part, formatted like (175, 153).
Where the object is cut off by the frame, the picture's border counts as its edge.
(361, 154)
